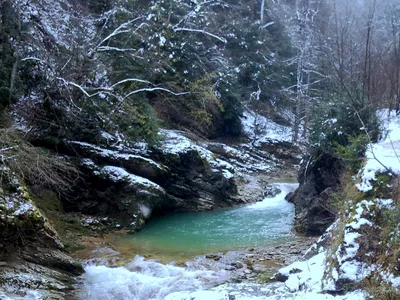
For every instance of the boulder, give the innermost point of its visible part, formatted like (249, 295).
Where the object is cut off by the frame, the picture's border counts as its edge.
(319, 177)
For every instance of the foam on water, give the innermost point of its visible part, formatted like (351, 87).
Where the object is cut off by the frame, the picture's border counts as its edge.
(279, 200)
(145, 279)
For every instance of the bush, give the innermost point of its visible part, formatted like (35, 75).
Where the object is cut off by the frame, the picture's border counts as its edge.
(340, 121)
(352, 154)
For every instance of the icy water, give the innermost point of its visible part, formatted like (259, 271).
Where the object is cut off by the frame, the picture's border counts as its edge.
(182, 236)
(185, 235)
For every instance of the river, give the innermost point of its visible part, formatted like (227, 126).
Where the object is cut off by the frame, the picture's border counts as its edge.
(182, 237)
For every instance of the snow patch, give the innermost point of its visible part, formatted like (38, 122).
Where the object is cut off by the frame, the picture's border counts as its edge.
(384, 156)
(261, 129)
(119, 174)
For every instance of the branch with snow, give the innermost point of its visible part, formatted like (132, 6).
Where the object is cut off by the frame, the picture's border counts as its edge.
(192, 13)
(123, 28)
(201, 31)
(154, 89)
(109, 90)
(267, 25)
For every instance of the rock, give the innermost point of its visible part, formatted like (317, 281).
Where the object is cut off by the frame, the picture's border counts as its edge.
(30, 249)
(271, 191)
(318, 178)
(215, 257)
(282, 150)
(131, 185)
(280, 277)
(21, 222)
(237, 264)
(55, 259)
(295, 271)
(258, 268)
(21, 278)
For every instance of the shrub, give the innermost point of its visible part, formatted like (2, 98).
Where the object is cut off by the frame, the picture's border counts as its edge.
(35, 165)
(352, 154)
(340, 121)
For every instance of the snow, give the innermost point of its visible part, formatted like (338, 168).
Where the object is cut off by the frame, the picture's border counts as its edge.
(23, 208)
(252, 292)
(309, 275)
(261, 129)
(175, 143)
(114, 154)
(119, 174)
(383, 156)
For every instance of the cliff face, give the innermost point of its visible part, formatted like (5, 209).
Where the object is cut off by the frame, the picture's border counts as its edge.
(129, 185)
(360, 249)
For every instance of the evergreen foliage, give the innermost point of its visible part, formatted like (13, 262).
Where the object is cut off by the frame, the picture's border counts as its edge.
(342, 125)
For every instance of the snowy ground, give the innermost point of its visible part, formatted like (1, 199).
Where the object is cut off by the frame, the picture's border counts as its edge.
(383, 156)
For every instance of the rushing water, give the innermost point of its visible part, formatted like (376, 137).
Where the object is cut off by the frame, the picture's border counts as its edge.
(183, 236)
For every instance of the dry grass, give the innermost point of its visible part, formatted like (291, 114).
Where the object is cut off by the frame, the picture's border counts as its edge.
(34, 165)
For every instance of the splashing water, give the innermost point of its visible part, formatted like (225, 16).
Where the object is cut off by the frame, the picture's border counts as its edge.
(145, 279)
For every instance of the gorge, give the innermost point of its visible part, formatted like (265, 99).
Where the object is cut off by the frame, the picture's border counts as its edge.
(199, 149)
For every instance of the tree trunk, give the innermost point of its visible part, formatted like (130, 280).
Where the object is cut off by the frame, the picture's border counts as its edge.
(262, 11)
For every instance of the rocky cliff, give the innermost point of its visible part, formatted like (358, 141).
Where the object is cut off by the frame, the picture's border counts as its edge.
(32, 257)
(127, 185)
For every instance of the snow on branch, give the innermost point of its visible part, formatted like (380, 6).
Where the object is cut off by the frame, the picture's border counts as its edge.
(81, 88)
(108, 48)
(129, 80)
(109, 90)
(31, 58)
(267, 25)
(192, 13)
(8, 149)
(154, 89)
(123, 28)
(201, 31)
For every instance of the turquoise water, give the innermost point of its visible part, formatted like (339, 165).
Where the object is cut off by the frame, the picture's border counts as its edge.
(185, 235)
